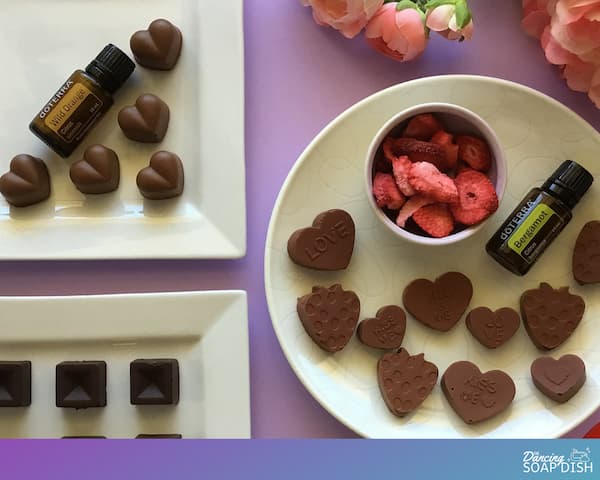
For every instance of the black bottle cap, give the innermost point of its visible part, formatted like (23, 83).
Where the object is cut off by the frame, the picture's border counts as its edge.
(569, 182)
(111, 68)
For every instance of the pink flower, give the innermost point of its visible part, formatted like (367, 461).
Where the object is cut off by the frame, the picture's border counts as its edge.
(570, 11)
(576, 26)
(536, 16)
(347, 16)
(443, 19)
(398, 34)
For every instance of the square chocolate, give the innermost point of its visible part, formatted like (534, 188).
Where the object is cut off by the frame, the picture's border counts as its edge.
(81, 384)
(154, 381)
(15, 384)
(159, 435)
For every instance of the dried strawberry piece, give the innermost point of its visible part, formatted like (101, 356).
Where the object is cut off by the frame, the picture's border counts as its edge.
(401, 166)
(451, 156)
(477, 197)
(422, 126)
(419, 151)
(413, 204)
(475, 152)
(441, 138)
(386, 192)
(429, 181)
(388, 149)
(435, 219)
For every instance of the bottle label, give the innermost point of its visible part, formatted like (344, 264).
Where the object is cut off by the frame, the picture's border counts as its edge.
(531, 236)
(73, 112)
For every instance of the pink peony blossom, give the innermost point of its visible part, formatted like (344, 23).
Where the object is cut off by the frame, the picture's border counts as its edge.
(536, 16)
(398, 34)
(442, 19)
(347, 16)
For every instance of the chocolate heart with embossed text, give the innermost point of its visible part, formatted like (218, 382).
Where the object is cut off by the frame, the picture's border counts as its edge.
(162, 178)
(146, 121)
(27, 182)
(493, 329)
(386, 330)
(158, 47)
(558, 379)
(97, 172)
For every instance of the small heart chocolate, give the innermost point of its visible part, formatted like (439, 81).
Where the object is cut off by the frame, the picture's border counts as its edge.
(158, 47)
(27, 181)
(493, 329)
(476, 396)
(97, 172)
(558, 379)
(163, 178)
(441, 303)
(327, 245)
(386, 330)
(550, 316)
(329, 316)
(146, 121)
(405, 380)
(586, 255)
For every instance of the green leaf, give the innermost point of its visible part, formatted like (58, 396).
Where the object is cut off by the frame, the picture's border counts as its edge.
(463, 15)
(431, 4)
(404, 4)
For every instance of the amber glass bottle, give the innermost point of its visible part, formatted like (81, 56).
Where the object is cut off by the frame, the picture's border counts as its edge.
(81, 101)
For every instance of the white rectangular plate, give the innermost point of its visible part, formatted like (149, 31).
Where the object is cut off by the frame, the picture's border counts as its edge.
(205, 93)
(207, 332)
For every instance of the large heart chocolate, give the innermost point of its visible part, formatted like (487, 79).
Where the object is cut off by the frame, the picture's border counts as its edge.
(97, 172)
(327, 245)
(586, 255)
(27, 182)
(550, 316)
(405, 380)
(441, 303)
(146, 121)
(158, 47)
(558, 379)
(476, 396)
(386, 330)
(163, 178)
(329, 316)
(493, 329)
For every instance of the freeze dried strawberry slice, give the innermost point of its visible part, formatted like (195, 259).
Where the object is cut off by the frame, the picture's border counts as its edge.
(388, 149)
(429, 181)
(435, 219)
(413, 204)
(386, 192)
(451, 155)
(422, 126)
(441, 138)
(475, 152)
(401, 166)
(419, 151)
(477, 197)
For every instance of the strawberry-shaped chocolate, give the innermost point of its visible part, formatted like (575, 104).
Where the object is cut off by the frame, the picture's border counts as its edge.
(386, 330)
(586, 255)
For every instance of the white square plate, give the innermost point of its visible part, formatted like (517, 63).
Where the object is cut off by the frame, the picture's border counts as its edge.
(205, 93)
(207, 332)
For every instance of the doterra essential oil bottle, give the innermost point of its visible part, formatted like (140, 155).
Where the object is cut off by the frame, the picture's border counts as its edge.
(539, 218)
(81, 101)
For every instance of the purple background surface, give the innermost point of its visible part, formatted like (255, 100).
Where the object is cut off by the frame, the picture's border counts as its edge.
(298, 78)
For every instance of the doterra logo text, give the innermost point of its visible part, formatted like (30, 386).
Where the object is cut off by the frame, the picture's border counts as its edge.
(578, 461)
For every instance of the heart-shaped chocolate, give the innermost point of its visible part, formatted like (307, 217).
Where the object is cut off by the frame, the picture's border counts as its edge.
(586, 255)
(329, 316)
(386, 330)
(327, 245)
(441, 303)
(405, 380)
(550, 316)
(476, 396)
(97, 172)
(158, 47)
(558, 379)
(146, 121)
(27, 182)
(493, 329)
(163, 178)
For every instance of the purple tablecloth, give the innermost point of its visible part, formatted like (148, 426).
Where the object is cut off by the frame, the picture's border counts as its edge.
(298, 78)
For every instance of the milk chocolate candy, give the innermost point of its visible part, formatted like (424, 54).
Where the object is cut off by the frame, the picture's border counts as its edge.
(405, 380)
(558, 379)
(586, 255)
(81, 384)
(329, 316)
(441, 303)
(327, 245)
(146, 121)
(27, 181)
(493, 329)
(97, 172)
(163, 178)
(158, 47)
(159, 436)
(15, 384)
(476, 396)
(550, 316)
(386, 330)
(154, 381)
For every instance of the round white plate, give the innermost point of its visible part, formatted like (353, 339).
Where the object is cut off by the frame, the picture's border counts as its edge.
(537, 133)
